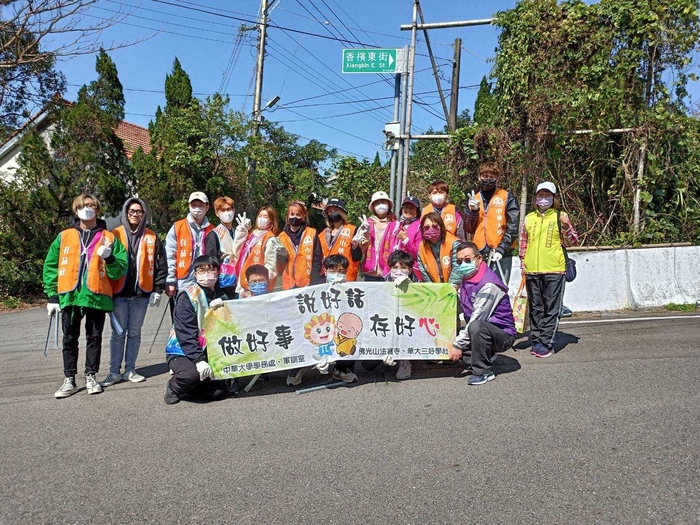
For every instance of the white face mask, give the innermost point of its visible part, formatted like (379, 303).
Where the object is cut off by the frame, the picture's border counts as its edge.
(335, 277)
(438, 199)
(86, 214)
(206, 280)
(226, 216)
(381, 209)
(263, 223)
(196, 211)
(398, 272)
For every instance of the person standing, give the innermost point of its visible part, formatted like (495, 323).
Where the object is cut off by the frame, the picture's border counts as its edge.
(406, 234)
(185, 242)
(437, 254)
(492, 217)
(439, 195)
(259, 246)
(140, 287)
(545, 232)
(77, 272)
(376, 245)
(305, 257)
(219, 242)
(340, 238)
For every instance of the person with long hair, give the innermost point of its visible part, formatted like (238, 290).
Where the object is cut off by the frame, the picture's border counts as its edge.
(542, 239)
(437, 254)
(258, 245)
(376, 245)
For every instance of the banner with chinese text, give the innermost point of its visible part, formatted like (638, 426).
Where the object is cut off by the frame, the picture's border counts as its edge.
(349, 321)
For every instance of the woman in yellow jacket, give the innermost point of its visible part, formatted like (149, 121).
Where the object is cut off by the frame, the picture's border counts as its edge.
(542, 238)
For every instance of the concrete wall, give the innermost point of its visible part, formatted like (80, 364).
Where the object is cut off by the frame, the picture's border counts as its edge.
(629, 278)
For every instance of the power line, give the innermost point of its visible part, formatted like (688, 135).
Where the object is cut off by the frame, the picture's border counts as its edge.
(334, 128)
(162, 91)
(328, 116)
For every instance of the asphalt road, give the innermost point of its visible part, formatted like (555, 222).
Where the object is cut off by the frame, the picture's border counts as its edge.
(605, 431)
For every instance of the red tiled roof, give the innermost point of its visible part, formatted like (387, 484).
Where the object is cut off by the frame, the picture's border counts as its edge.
(133, 136)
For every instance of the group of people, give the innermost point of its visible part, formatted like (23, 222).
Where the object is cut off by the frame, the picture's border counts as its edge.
(90, 272)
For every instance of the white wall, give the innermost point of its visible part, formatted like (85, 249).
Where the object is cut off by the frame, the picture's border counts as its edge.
(629, 278)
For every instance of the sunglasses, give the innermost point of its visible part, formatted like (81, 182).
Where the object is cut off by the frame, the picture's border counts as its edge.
(467, 259)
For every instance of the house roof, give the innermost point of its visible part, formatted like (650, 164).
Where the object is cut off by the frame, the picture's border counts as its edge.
(133, 137)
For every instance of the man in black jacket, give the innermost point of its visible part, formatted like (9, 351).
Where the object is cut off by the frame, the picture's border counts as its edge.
(186, 350)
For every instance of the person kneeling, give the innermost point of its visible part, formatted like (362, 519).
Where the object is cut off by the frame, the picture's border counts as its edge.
(186, 350)
(490, 326)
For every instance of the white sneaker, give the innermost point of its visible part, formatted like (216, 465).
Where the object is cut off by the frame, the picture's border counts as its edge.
(134, 377)
(67, 389)
(171, 372)
(348, 377)
(294, 377)
(404, 371)
(91, 384)
(111, 379)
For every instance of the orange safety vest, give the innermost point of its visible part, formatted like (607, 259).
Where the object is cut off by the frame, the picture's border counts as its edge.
(70, 255)
(341, 246)
(491, 225)
(425, 254)
(185, 248)
(145, 257)
(448, 214)
(298, 270)
(256, 255)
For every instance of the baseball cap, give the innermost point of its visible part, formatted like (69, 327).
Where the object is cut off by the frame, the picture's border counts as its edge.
(339, 203)
(549, 186)
(412, 200)
(379, 196)
(198, 196)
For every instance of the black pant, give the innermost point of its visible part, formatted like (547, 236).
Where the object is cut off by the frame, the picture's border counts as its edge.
(373, 278)
(186, 380)
(545, 292)
(485, 341)
(94, 323)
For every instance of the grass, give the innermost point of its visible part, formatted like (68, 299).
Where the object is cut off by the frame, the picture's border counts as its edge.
(10, 303)
(684, 307)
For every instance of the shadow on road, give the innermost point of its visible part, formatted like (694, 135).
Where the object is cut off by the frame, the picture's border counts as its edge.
(153, 370)
(561, 341)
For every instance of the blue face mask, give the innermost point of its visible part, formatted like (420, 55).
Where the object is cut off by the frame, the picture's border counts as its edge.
(259, 288)
(466, 268)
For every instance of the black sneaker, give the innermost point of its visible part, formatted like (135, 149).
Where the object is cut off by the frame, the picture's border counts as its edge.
(170, 397)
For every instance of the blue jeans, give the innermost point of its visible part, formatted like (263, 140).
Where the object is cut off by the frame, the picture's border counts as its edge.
(130, 312)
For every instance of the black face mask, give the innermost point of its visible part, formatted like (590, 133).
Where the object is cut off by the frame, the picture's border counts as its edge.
(487, 184)
(335, 217)
(295, 221)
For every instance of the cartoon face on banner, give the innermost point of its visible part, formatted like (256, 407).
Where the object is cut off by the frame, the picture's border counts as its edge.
(321, 331)
(346, 331)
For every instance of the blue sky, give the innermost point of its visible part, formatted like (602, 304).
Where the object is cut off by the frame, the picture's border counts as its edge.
(297, 66)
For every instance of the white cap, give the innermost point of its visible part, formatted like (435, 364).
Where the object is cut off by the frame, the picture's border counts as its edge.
(549, 186)
(198, 196)
(380, 196)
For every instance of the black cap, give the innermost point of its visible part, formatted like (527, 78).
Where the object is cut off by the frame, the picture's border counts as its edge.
(411, 200)
(339, 203)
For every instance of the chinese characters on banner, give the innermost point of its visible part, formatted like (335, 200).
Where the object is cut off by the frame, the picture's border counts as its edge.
(358, 320)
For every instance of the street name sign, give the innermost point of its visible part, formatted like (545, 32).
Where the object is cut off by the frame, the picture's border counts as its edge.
(374, 61)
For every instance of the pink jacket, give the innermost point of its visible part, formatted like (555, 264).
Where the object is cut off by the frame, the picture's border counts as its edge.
(411, 244)
(385, 248)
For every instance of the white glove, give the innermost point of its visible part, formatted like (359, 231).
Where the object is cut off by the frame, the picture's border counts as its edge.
(495, 256)
(363, 229)
(154, 299)
(473, 202)
(216, 303)
(204, 370)
(244, 222)
(322, 366)
(401, 281)
(53, 308)
(105, 250)
(389, 360)
(360, 239)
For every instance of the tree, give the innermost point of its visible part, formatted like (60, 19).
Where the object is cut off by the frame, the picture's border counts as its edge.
(355, 181)
(32, 36)
(85, 155)
(484, 105)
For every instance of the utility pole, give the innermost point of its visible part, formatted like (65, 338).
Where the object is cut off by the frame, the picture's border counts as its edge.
(252, 164)
(454, 93)
(435, 70)
(409, 100)
(262, 34)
